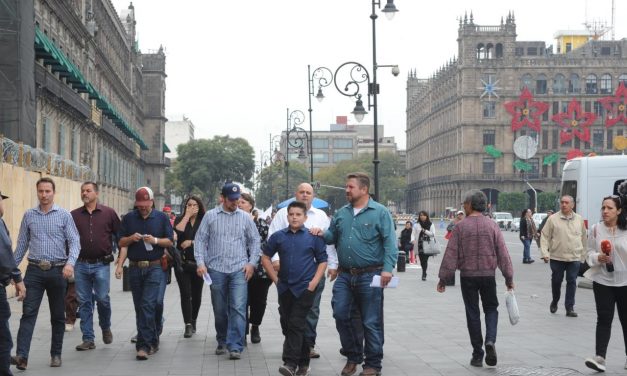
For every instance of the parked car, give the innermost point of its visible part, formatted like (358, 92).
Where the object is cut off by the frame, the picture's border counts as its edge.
(537, 218)
(503, 219)
(515, 224)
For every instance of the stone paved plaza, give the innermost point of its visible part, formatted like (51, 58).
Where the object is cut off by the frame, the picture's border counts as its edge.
(425, 334)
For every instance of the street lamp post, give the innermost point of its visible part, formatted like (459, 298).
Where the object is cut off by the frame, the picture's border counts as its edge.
(358, 74)
(294, 137)
(323, 76)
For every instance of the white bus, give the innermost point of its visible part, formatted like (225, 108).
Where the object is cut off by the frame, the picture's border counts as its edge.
(589, 179)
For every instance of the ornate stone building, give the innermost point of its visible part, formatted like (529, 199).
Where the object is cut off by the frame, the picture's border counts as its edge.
(100, 102)
(462, 121)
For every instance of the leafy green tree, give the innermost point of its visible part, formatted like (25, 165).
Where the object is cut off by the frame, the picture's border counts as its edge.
(271, 183)
(203, 165)
(513, 202)
(547, 201)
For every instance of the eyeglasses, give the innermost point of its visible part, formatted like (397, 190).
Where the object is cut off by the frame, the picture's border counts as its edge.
(611, 197)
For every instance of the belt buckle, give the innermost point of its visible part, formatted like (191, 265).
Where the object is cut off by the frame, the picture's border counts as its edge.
(143, 264)
(45, 265)
(354, 271)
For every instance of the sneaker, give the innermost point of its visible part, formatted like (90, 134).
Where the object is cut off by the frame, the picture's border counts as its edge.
(490, 354)
(86, 345)
(141, 355)
(313, 354)
(255, 337)
(69, 327)
(235, 355)
(107, 336)
(287, 370)
(220, 350)
(571, 313)
(553, 307)
(597, 363)
(134, 339)
(476, 361)
(303, 371)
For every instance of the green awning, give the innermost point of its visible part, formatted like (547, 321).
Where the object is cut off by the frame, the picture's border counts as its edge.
(166, 149)
(52, 56)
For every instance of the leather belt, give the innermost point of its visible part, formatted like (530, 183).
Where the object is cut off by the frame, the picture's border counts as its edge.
(358, 271)
(144, 263)
(45, 264)
(105, 260)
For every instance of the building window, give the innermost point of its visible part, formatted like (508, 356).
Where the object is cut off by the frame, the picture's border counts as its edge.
(339, 157)
(532, 51)
(610, 139)
(559, 84)
(499, 50)
(606, 84)
(622, 78)
(574, 85)
(488, 165)
(598, 109)
(597, 138)
(45, 135)
(343, 143)
(554, 139)
(321, 157)
(541, 87)
(545, 171)
(75, 142)
(577, 143)
(606, 51)
(569, 47)
(489, 109)
(545, 139)
(535, 167)
(591, 84)
(320, 143)
(554, 170)
(526, 82)
(587, 106)
(556, 107)
(519, 51)
(61, 140)
(489, 137)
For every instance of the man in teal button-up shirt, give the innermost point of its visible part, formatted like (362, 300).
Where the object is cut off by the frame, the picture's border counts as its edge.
(363, 234)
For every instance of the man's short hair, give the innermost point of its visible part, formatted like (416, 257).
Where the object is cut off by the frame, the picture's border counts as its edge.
(362, 179)
(477, 200)
(569, 197)
(297, 204)
(93, 184)
(46, 179)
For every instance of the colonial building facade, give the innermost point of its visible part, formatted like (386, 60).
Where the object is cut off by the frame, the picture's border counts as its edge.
(463, 121)
(99, 101)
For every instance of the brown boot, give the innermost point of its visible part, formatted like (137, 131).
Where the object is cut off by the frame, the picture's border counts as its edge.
(369, 371)
(349, 369)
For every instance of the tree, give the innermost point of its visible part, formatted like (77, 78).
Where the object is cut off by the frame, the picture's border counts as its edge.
(513, 202)
(204, 165)
(547, 201)
(271, 183)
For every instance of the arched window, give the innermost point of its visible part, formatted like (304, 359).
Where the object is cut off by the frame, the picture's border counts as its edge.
(499, 50)
(480, 51)
(622, 78)
(574, 85)
(489, 51)
(591, 84)
(559, 84)
(541, 86)
(526, 82)
(606, 84)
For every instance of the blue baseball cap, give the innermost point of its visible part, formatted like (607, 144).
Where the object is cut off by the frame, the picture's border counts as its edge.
(231, 191)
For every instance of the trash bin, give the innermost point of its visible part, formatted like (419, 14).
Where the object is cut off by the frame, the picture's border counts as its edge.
(400, 267)
(126, 283)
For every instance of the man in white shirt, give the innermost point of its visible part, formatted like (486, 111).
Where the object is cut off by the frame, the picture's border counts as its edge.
(316, 218)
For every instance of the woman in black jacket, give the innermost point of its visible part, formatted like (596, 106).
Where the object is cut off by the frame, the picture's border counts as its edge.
(527, 234)
(190, 284)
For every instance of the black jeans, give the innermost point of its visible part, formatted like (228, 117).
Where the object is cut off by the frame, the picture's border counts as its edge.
(257, 299)
(424, 263)
(190, 288)
(37, 282)
(472, 288)
(606, 297)
(5, 334)
(293, 312)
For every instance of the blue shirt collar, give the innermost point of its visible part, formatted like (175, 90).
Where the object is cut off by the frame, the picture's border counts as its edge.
(301, 229)
(54, 207)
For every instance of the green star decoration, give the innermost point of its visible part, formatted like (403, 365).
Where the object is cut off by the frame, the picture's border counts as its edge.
(493, 152)
(522, 166)
(550, 159)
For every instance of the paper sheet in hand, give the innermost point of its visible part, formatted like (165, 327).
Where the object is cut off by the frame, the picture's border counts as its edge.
(376, 282)
(148, 246)
(207, 279)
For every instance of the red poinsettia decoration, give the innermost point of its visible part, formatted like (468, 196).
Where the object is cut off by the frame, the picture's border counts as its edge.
(574, 122)
(573, 153)
(616, 106)
(526, 111)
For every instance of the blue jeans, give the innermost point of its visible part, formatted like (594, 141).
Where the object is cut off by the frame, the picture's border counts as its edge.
(558, 268)
(526, 249)
(5, 333)
(472, 288)
(145, 286)
(313, 315)
(159, 319)
(92, 283)
(229, 297)
(353, 293)
(37, 282)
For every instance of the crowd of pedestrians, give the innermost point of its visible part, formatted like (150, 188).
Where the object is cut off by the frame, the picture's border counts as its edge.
(240, 256)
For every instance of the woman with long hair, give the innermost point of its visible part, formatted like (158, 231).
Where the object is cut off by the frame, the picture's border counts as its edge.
(423, 231)
(607, 257)
(190, 284)
(527, 233)
(259, 284)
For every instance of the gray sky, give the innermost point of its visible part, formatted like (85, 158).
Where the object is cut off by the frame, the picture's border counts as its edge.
(234, 67)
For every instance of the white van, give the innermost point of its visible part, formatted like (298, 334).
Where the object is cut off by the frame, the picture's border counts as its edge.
(589, 179)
